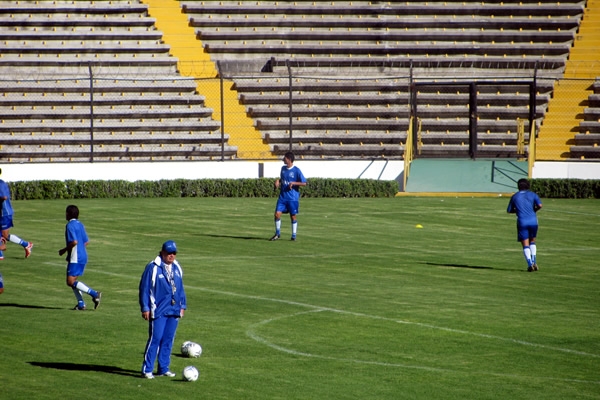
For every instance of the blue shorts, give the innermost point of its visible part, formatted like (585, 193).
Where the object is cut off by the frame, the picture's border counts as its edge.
(288, 206)
(526, 232)
(75, 269)
(6, 222)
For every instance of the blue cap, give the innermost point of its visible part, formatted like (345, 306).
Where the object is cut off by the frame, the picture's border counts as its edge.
(169, 246)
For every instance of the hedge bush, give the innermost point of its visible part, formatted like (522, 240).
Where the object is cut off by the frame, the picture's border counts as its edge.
(262, 187)
(567, 188)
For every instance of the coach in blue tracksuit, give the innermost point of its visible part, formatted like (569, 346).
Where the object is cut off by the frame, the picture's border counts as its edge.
(162, 301)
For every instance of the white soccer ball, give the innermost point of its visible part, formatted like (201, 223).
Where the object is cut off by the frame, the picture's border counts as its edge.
(190, 373)
(194, 350)
(184, 348)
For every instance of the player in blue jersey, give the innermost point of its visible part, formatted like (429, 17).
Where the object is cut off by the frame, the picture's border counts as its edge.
(162, 301)
(526, 204)
(77, 240)
(6, 221)
(1, 284)
(289, 182)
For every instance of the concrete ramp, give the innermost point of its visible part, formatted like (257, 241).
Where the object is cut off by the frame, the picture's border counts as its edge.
(465, 176)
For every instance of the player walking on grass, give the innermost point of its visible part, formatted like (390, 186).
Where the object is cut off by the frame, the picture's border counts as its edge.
(6, 222)
(526, 204)
(163, 302)
(289, 182)
(77, 240)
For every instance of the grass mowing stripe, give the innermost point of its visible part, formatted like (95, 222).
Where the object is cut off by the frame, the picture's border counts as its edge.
(325, 308)
(450, 302)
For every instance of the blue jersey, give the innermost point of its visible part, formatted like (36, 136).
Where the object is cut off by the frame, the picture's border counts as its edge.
(524, 203)
(160, 294)
(75, 231)
(287, 176)
(7, 210)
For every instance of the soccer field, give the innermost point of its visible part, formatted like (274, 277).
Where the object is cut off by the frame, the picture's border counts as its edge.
(363, 306)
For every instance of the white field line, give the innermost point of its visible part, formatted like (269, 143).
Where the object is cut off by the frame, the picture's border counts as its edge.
(357, 314)
(314, 308)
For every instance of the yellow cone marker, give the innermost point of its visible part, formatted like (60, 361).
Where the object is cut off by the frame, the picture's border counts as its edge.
(418, 226)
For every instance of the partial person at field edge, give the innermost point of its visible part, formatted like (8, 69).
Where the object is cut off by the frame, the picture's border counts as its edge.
(6, 222)
(77, 240)
(526, 204)
(289, 182)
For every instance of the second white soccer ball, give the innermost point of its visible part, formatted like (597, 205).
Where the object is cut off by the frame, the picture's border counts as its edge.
(184, 348)
(190, 373)
(194, 350)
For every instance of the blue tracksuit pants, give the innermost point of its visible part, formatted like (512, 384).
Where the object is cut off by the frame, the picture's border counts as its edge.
(161, 335)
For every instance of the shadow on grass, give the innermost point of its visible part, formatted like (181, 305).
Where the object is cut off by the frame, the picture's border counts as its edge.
(28, 306)
(86, 367)
(460, 266)
(237, 237)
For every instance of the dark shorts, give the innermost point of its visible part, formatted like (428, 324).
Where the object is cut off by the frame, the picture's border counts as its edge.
(286, 207)
(75, 269)
(526, 232)
(6, 222)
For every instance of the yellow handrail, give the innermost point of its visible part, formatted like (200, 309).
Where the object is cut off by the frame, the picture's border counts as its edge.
(531, 155)
(408, 152)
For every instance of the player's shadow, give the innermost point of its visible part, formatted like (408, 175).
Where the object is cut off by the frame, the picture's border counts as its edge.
(109, 369)
(15, 305)
(459, 265)
(236, 237)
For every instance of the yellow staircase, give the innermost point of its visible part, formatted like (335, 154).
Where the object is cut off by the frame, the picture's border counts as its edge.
(565, 110)
(193, 61)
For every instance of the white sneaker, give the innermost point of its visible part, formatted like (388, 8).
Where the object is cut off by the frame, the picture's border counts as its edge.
(169, 374)
(148, 375)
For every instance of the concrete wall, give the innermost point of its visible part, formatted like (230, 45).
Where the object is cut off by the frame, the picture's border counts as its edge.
(129, 171)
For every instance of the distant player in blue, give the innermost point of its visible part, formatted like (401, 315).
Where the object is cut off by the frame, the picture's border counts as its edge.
(1, 284)
(289, 182)
(162, 302)
(526, 204)
(77, 240)
(6, 221)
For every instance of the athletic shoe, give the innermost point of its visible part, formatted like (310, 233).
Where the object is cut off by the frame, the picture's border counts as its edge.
(79, 308)
(535, 267)
(169, 374)
(28, 250)
(293, 238)
(97, 300)
(275, 237)
(148, 375)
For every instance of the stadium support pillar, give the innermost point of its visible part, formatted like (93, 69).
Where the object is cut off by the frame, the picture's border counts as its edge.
(473, 120)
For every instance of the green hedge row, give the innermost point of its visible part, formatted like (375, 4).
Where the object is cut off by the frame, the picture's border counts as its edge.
(262, 187)
(567, 188)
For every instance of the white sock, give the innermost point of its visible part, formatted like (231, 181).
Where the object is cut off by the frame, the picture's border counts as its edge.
(277, 226)
(527, 253)
(294, 227)
(15, 239)
(533, 249)
(78, 295)
(82, 287)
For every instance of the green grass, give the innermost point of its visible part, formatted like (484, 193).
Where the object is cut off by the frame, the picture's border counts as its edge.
(363, 306)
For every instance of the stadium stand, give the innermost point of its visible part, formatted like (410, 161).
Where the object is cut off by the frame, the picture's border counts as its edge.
(567, 114)
(342, 115)
(354, 65)
(135, 106)
(587, 141)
